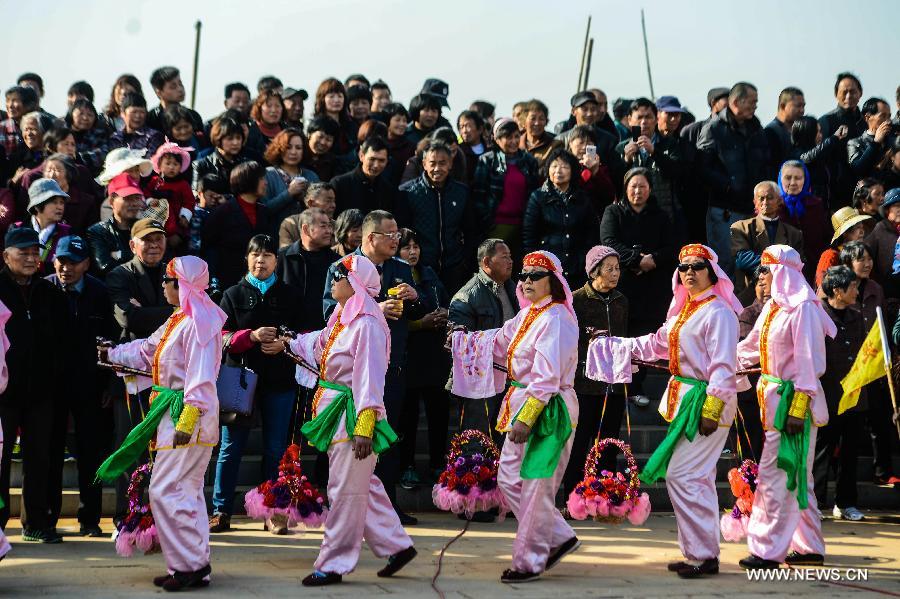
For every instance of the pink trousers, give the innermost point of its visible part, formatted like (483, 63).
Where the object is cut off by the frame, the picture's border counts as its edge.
(777, 525)
(179, 507)
(691, 484)
(541, 526)
(4, 542)
(360, 509)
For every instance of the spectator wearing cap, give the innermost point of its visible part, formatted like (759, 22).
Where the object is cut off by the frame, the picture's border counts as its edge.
(359, 102)
(716, 99)
(849, 225)
(622, 116)
(293, 107)
(136, 134)
(883, 239)
(597, 113)
(139, 307)
(367, 186)
(733, 155)
(167, 85)
(31, 404)
(46, 205)
(504, 178)
(92, 316)
(109, 240)
(791, 106)
(536, 140)
(381, 96)
(586, 111)
(661, 152)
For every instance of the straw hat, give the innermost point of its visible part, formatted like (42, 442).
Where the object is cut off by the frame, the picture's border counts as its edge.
(845, 219)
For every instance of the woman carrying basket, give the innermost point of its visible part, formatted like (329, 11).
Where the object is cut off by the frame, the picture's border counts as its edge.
(184, 356)
(699, 339)
(539, 348)
(349, 423)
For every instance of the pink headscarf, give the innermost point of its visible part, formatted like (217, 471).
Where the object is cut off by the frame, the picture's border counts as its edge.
(366, 284)
(789, 286)
(547, 261)
(596, 255)
(207, 318)
(723, 288)
(4, 346)
(172, 148)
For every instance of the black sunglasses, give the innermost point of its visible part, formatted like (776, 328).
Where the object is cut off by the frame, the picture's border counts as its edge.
(695, 266)
(169, 280)
(763, 270)
(533, 276)
(338, 275)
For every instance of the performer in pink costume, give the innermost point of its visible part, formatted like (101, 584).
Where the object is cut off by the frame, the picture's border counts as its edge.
(349, 422)
(540, 350)
(184, 356)
(788, 342)
(698, 339)
(4, 379)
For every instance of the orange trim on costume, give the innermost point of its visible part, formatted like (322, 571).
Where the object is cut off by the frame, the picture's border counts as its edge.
(694, 249)
(170, 270)
(173, 321)
(332, 337)
(538, 259)
(768, 259)
(764, 359)
(690, 308)
(529, 319)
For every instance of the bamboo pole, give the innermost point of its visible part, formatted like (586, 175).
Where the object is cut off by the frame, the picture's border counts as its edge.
(584, 51)
(647, 56)
(197, 26)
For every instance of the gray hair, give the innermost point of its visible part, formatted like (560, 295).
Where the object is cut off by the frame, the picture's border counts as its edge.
(308, 216)
(837, 277)
(740, 90)
(33, 116)
(770, 184)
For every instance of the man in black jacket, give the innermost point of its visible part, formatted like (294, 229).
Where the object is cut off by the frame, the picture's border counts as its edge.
(848, 92)
(439, 210)
(91, 311)
(733, 155)
(586, 111)
(381, 238)
(365, 187)
(791, 106)
(866, 151)
(109, 240)
(304, 264)
(139, 307)
(32, 400)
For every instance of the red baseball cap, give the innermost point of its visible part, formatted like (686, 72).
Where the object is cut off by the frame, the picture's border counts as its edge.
(124, 185)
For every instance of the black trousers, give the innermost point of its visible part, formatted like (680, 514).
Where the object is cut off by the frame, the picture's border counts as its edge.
(882, 428)
(389, 464)
(437, 414)
(480, 415)
(748, 424)
(128, 411)
(36, 417)
(589, 423)
(837, 447)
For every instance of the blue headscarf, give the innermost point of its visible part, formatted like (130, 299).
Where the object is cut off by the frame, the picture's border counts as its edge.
(795, 204)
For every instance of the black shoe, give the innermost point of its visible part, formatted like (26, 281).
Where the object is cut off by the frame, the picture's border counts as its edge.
(406, 519)
(397, 561)
(321, 579)
(482, 517)
(513, 577)
(562, 551)
(91, 530)
(48, 536)
(710, 566)
(180, 581)
(795, 558)
(676, 566)
(757, 563)
(161, 580)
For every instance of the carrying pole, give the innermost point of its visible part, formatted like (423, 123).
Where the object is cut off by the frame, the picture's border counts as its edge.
(647, 56)
(584, 51)
(198, 25)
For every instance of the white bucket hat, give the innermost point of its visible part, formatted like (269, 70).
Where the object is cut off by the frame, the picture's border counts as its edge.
(120, 160)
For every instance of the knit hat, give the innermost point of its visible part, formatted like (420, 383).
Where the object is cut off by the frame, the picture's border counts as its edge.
(596, 255)
(169, 147)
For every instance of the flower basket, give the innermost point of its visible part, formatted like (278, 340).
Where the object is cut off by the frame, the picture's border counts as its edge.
(610, 497)
(468, 484)
(291, 495)
(743, 485)
(137, 529)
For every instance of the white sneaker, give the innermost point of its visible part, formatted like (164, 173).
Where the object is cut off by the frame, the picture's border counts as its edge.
(641, 401)
(848, 513)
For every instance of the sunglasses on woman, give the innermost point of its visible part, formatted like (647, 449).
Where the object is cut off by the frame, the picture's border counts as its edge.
(533, 276)
(337, 275)
(169, 279)
(695, 266)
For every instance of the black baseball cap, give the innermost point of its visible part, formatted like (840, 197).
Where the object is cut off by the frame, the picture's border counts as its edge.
(583, 98)
(21, 237)
(438, 88)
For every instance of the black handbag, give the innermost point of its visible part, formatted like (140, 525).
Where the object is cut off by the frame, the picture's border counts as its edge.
(236, 388)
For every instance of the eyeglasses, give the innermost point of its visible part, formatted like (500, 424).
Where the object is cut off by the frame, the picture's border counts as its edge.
(533, 276)
(695, 266)
(169, 280)
(394, 236)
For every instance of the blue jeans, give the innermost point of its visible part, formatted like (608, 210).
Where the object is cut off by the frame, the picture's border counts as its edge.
(275, 408)
(718, 234)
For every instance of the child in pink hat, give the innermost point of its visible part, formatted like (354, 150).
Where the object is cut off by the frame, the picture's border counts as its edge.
(168, 182)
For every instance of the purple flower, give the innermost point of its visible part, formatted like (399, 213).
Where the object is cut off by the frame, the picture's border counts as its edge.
(303, 508)
(282, 497)
(460, 461)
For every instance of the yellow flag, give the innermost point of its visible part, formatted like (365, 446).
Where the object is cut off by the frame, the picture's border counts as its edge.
(868, 367)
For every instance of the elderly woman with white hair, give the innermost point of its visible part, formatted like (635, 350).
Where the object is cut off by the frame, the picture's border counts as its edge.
(31, 154)
(749, 237)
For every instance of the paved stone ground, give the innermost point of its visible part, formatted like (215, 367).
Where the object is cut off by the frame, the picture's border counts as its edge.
(613, 562)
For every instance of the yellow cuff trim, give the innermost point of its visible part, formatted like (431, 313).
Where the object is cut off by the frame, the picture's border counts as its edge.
(365, 423)
(712, 408)
(188, 420)
(799, 405)
(530, 411)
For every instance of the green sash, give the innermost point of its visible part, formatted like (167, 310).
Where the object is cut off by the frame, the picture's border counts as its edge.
(793, 448)
(548, 436)
(137, 441)
(320, 430)
(686, 424)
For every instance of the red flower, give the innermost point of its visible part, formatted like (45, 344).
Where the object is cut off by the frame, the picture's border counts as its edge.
(469, 480)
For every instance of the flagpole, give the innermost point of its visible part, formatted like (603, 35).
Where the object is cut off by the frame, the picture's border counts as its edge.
(886, 349)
